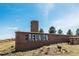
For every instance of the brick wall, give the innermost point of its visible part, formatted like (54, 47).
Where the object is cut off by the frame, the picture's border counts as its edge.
(74, 40)
(53, 38)
(24, 44)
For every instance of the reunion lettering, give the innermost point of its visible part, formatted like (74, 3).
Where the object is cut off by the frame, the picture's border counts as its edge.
(36, 37)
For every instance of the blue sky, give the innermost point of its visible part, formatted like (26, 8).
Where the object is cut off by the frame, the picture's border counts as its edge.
(17, 17)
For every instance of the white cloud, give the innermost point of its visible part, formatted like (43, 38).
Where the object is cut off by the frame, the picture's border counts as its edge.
(69, 21)
(13, 28)
(45, 9)
(8, 32)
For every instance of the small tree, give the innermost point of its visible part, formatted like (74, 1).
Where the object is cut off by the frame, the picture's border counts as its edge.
(77, 31)
(41, 31)
(52, 29)
(60, 31)
(69, 32)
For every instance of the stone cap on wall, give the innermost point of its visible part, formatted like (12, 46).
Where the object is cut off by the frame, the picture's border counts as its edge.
(42, 33)
(74, 37)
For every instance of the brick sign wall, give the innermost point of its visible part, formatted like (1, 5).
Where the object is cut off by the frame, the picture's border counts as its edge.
(28, 40)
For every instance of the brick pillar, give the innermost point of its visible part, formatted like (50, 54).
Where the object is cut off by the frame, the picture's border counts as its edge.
(34, 26)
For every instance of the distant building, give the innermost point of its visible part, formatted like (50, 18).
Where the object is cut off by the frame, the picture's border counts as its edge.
(35, 39)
